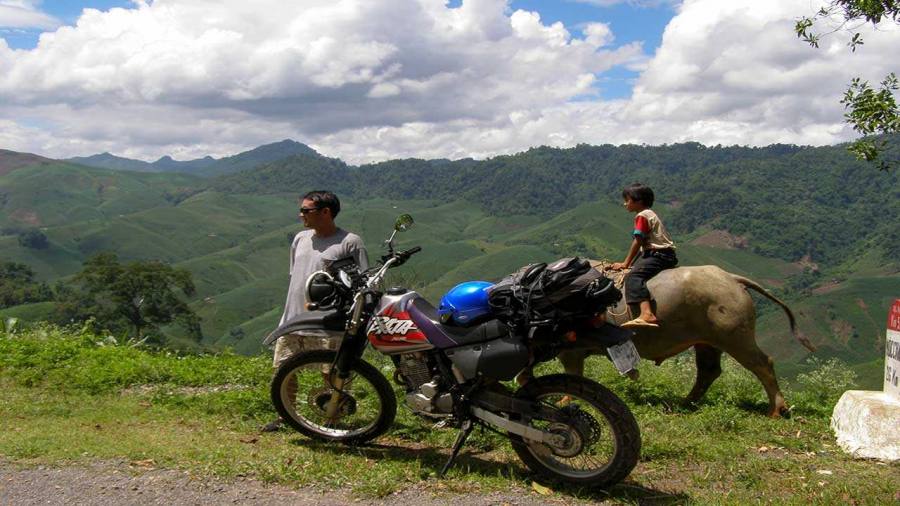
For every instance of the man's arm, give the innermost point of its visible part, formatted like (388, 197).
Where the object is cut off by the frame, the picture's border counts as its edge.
(290, 274)
(293, 252)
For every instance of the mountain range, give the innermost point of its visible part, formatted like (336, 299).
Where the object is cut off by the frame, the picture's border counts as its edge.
(206, 166)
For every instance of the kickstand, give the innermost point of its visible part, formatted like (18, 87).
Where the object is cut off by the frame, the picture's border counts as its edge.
(464, 432)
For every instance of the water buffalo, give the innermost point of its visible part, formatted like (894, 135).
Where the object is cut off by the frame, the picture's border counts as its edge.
(709, 309)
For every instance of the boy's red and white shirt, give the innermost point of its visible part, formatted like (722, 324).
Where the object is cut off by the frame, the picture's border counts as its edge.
(650, 228)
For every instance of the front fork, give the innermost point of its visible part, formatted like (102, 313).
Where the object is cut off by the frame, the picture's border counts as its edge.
(352, 348)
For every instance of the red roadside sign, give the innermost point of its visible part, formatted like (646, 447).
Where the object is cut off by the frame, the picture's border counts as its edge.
(894, 316)
(892, 352)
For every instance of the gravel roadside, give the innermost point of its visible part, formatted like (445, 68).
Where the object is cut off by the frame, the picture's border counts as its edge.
(122, 484)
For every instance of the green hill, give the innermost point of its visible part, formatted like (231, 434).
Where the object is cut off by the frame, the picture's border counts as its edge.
(57, 193)
(766, 213)
(11, 160)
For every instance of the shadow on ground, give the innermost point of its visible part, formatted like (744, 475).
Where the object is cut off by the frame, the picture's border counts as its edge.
(482, 464)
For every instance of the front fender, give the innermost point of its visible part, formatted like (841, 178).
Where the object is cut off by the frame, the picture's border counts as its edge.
(312, 320)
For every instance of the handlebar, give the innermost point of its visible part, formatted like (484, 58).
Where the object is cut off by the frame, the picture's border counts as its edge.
(372, 280)
(397, 259)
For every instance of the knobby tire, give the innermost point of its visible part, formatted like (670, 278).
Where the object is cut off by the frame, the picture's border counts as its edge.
(385, 393)
(619, 418)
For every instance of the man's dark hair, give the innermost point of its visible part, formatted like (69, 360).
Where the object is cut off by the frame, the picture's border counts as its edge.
(323, 198)
(639, 193)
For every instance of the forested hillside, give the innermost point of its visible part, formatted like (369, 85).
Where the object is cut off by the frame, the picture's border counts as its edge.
(786, 201)
(812, 224)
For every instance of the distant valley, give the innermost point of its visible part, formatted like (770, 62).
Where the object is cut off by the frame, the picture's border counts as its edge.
(812, 224)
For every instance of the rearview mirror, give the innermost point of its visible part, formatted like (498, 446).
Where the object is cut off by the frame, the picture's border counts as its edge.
(404, 222)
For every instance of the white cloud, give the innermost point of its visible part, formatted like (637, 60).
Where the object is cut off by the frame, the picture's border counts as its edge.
(25, 14)
(636, 3)
(736, 70)
(197, 77)
(598, 34)
(320, 66)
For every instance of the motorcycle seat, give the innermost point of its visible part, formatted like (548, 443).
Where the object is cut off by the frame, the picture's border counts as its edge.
(310, 320)
(449, 336)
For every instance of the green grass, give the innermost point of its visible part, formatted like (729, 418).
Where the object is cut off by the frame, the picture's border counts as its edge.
(72, 397)
(33, 312)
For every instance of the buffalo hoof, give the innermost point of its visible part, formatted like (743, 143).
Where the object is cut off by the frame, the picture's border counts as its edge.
(690, 404)
(780, 412)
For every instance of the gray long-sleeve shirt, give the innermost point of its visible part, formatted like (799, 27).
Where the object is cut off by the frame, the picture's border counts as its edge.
(310, 253)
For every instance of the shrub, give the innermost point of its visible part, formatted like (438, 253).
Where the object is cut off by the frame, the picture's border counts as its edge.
(819, 389)
(33, 239)
(77, 358)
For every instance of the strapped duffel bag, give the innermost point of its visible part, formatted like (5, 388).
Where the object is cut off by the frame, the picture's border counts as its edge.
(567, 288)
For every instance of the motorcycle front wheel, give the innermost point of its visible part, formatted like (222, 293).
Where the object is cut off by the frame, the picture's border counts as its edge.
(311, 399)
(602, 438)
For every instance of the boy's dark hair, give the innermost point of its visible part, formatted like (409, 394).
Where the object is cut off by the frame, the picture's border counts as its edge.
(323, 198)
(639, 193)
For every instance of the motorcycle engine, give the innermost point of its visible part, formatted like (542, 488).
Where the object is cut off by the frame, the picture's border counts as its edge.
(423, 386)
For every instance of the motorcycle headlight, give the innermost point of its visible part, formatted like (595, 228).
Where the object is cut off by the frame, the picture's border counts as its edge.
(321, 290)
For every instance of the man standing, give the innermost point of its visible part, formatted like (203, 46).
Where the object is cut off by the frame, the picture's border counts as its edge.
(313, 250)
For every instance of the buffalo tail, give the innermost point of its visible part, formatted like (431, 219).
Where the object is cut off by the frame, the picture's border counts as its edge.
(749, 283)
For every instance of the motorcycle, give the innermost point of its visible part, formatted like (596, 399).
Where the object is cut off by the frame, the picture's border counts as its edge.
(563, 427)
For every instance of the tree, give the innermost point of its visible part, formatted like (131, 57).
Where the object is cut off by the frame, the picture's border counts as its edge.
(138, 296)
(33, 239)
(17, 286)
(870, 111)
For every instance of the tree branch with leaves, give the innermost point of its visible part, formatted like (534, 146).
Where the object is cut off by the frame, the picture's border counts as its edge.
(140, 296)
(870, 111)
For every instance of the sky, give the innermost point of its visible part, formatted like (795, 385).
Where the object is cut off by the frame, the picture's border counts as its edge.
(370, 80)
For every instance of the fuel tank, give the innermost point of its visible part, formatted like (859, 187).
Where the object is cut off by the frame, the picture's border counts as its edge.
(392, 329)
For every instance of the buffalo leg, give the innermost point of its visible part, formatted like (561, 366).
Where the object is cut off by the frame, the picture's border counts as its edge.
(573, 361)
(761, 365)
(709, 367)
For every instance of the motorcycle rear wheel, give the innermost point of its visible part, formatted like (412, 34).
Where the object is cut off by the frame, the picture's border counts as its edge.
(603, 438)
(367, 405)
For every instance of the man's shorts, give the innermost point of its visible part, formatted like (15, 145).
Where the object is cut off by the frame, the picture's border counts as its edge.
(291, 344)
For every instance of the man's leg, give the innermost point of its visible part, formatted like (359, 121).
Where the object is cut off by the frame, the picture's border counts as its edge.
(286, 347)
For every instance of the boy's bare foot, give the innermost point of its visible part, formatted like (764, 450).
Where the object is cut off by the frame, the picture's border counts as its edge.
(638, 322)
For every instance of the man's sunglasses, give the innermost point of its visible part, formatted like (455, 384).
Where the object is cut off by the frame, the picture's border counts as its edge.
(307, 210)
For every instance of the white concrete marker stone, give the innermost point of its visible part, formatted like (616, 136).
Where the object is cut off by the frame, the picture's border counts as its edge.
(867, 424)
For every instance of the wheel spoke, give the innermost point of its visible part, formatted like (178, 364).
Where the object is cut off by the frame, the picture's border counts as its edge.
(587, 426)
(358, 405)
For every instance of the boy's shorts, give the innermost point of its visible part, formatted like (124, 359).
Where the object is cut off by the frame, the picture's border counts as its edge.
(649, 264)
(291, 344)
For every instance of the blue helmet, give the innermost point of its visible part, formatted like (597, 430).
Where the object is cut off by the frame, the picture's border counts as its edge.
(465, 303)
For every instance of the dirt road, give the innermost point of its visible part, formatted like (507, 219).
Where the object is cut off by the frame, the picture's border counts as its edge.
(124, 484)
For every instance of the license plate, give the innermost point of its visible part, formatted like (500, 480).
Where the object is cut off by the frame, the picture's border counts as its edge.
(624, 356)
